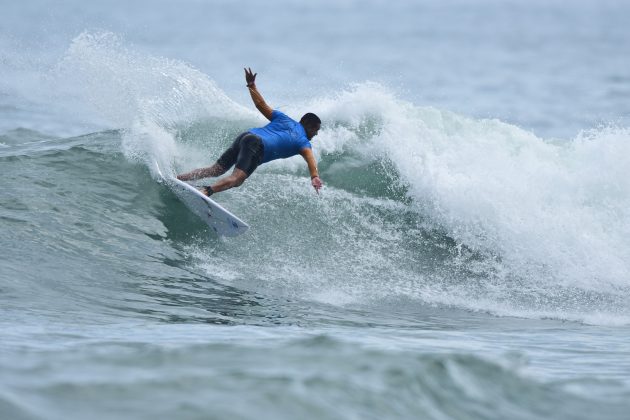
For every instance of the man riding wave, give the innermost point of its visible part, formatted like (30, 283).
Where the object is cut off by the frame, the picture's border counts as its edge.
(283, 137)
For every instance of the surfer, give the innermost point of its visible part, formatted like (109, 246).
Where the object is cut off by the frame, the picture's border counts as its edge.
(283, 137)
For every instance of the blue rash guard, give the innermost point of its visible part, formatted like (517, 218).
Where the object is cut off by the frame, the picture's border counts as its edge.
(283, 137)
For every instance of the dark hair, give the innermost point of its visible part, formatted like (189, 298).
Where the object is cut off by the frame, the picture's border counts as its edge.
(310, 119)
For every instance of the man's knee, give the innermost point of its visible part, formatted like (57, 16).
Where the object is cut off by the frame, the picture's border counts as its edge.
(236, 180)
(218, 169)
(239, 177)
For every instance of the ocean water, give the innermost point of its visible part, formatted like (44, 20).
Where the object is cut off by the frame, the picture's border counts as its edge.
(468, 257)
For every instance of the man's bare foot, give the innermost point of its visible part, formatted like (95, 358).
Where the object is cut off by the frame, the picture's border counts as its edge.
(207, 190)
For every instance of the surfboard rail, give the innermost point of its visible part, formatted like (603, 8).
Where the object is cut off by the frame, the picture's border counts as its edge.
(219, 219)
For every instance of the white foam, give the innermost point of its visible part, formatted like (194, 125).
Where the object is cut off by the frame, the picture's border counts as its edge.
(549, 217)
(554, 214)
(564, 205)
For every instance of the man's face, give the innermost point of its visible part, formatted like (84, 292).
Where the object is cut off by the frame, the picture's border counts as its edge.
(311, 130)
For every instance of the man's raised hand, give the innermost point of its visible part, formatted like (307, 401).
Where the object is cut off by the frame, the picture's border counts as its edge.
(250, 77)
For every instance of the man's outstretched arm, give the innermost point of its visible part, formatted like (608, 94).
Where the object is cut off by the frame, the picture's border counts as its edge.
(260, 103)
(308, 156)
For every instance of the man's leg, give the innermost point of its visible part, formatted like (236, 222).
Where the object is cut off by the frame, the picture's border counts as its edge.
(250, 154)
(237, 178)
(211, 171)
(225, 162)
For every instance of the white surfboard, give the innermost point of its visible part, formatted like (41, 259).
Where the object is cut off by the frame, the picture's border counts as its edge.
(219, 219)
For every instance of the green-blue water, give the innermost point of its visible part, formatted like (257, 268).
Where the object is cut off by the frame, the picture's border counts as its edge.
(467, 258)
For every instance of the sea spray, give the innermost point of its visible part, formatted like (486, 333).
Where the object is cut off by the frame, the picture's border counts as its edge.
(149, 97)
(550, 217)
(523, 226)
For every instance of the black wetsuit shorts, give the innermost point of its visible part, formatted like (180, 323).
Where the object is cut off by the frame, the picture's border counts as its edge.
(246, 152)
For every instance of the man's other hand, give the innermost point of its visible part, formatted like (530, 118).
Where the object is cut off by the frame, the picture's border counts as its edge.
(316, 183)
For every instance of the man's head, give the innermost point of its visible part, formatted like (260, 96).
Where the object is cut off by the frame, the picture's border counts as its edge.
(311, 124)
